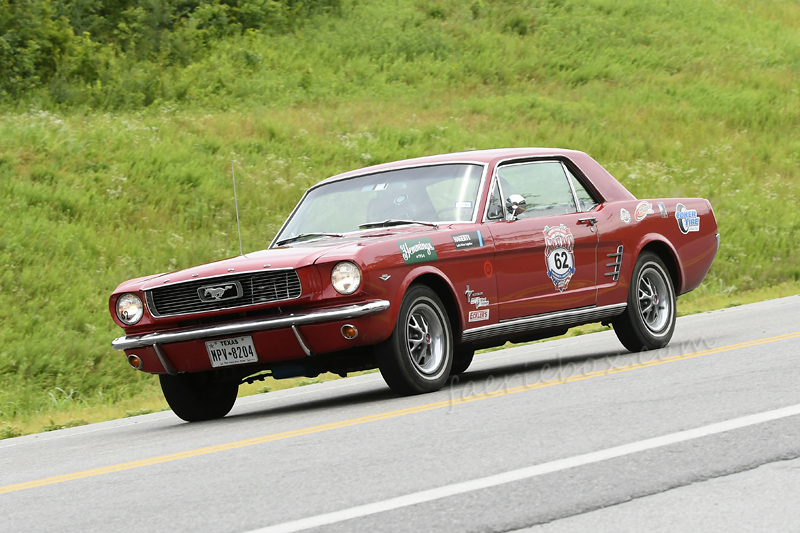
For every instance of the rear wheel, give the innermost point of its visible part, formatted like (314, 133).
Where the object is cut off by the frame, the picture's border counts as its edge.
(200, 396)
(418, 356)
(649, 320)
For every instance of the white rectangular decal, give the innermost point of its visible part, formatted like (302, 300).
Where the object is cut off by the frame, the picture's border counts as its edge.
(478, 316)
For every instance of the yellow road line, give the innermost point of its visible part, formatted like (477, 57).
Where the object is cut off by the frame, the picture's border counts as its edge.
(380, 416)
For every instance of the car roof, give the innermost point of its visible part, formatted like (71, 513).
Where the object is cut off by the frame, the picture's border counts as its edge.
(473, 156)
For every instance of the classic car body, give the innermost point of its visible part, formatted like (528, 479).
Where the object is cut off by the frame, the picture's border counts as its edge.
(412, 265)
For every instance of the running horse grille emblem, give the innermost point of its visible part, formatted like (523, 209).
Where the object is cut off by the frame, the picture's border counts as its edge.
(219, 293)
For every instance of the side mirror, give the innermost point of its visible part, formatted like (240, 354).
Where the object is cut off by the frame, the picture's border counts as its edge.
(515, 205)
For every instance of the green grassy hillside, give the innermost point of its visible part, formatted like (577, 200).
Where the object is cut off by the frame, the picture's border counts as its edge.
(127, 172)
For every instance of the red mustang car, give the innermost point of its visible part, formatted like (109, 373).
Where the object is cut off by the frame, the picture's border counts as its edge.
(411, 266)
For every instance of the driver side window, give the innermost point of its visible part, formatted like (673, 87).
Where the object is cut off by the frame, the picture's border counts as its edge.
(544, 186)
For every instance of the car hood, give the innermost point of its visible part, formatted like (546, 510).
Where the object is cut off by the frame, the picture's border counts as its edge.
(297, 255)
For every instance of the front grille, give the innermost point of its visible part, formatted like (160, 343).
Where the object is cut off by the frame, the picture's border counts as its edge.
(257, 288)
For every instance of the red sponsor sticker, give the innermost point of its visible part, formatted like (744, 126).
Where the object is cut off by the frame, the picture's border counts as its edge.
(479, 315)
(488, 269)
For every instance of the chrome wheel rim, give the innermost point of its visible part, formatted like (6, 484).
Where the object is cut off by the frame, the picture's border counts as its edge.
(655, 302)
(425, 339)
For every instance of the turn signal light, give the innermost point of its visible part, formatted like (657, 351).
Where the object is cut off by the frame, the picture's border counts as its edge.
(135, 361)
(349, 332)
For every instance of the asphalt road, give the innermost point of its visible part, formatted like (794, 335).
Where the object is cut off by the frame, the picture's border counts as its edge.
(569, 435)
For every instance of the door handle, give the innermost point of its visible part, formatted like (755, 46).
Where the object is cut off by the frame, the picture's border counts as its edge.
(589, 221)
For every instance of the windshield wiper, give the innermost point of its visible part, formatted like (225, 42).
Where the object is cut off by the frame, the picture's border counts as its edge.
(395, 222)
(306, 236)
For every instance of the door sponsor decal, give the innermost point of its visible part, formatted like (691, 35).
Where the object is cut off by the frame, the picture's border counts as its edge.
(558, 255)
(480, 301)
(663, 209)
(417, 250)
(642, 210)
(478, 316)
(472, 239)
(624, 216)
(488, 269)
(687, 219)
(476, 298)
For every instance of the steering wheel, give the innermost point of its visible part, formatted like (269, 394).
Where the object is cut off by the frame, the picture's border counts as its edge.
(404, 209)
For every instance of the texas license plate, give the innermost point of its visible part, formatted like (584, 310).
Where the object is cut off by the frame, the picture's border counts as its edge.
(235, 351)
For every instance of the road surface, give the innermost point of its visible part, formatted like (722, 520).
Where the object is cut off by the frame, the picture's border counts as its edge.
(568, 435)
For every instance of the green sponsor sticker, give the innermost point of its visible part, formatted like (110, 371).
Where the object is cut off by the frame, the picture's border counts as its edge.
(417, 250)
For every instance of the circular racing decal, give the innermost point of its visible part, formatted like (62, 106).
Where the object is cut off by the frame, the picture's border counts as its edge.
(687, 219)
(488, 269)
(558, 255)
(642, 210)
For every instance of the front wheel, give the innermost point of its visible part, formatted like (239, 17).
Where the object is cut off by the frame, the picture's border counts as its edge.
(462, 358)
(649, 320)
(200, 396)
(418, 356)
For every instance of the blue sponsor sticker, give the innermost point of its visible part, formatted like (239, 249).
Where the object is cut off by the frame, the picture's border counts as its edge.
(687, 219)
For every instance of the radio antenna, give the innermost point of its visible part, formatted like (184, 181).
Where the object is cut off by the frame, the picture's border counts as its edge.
(236, 203)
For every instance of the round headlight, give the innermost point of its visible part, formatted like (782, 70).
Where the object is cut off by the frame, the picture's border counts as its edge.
(130, 309)
(346, 277)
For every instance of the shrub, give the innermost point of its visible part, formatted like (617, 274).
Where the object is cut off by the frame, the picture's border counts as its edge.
(78, 42)
(33, 40)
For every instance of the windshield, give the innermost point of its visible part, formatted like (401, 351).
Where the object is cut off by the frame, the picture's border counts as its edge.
(434, 194)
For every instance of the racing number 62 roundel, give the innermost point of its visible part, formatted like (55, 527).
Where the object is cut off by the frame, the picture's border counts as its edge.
(559, 244)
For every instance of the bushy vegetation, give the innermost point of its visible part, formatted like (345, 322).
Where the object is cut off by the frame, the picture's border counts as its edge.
(89, 49)
(119, 123)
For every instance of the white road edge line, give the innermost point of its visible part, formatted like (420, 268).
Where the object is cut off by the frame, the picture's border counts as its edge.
(526, 473)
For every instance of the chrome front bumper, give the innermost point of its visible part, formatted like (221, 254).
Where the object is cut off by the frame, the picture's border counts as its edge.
(295, 319)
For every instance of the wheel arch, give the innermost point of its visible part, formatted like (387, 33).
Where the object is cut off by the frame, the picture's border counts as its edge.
(445, 293)
(667, 255)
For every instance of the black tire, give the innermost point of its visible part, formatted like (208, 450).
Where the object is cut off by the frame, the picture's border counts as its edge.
(462, 358)
(200, 396)
(649, 320)
(418, 356)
